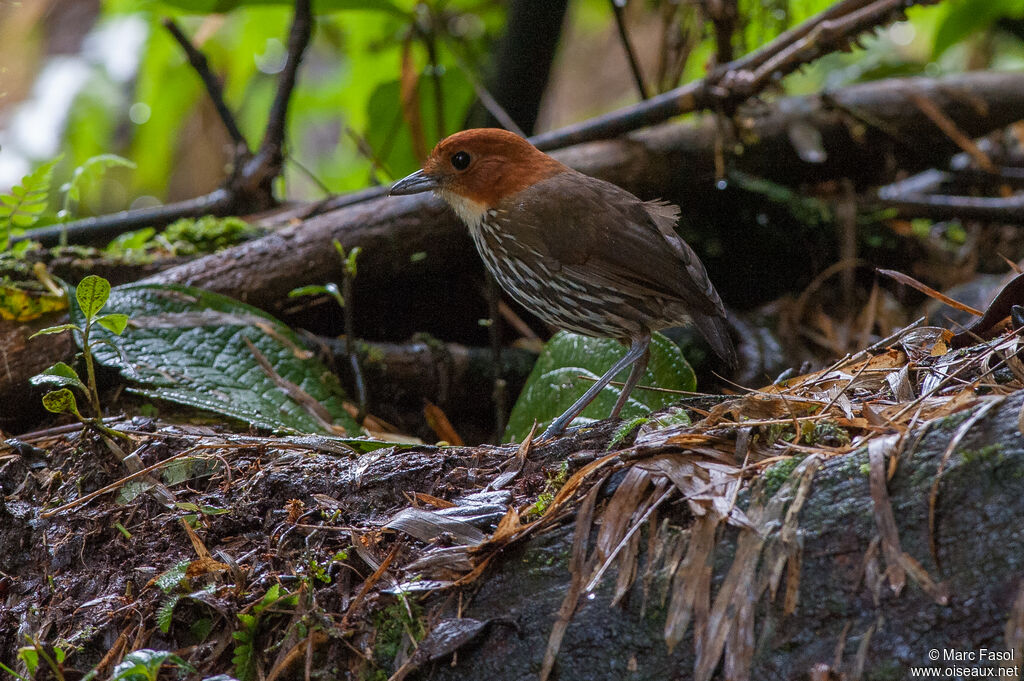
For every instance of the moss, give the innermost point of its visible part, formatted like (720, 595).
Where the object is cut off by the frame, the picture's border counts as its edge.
(776, 474)
(854, 465)
(392, 623)
(953, 420)
(624, 431)
(551, 487)
(994, 453)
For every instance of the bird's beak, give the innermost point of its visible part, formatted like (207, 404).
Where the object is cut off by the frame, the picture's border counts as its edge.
(418, 182)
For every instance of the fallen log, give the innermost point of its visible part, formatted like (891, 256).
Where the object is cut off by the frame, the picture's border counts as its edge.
(847, 618)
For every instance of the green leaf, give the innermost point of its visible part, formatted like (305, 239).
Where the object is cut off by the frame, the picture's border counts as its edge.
(60, 375)
(170, 580)
(165, 613)
(145, 664)
(554, 383)
(50, 330)
(311, 290)
(130, 241)
(92, 294)
(25, 204)
(192, 347)
(115, 323)
(61, 402)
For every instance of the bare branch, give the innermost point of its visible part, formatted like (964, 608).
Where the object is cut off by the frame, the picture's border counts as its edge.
(618, 7)
(202, 67)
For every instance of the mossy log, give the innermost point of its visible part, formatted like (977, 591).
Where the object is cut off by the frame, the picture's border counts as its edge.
(845, 611)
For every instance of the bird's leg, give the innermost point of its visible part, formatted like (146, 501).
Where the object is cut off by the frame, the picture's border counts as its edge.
(637, 349)
(634, 377)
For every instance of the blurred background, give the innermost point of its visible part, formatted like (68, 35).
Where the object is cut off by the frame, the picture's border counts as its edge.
(80, 78)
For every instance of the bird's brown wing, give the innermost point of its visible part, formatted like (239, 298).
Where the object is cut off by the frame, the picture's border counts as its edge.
(583, 223)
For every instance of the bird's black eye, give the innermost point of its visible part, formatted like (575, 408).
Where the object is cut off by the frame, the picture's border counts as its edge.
(460, 161)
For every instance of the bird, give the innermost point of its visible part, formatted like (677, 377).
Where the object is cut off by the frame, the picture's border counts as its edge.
(580, 253)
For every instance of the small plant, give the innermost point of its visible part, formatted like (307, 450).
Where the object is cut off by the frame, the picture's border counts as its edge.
(33, 655)
(551, 486)
(91, 294)
(348, 273)
(244, 656)
(348, 262)
(145, 665)
(26, 206)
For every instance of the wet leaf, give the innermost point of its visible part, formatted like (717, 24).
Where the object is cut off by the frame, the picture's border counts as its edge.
(92, 294)
(554, 385)
(22, 305)
(61, 402)
(60, 375)
(191, 347)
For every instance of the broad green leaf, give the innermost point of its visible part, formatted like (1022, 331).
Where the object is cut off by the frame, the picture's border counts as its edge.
(384, 111)
(92, 294)
(50, 330)
(60, 375)
(61, 402)
(113, 322)
(192, 347)
(25, 204)
(145, 664)
(554, 383)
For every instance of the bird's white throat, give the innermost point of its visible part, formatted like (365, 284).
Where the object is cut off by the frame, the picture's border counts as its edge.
(469, 211)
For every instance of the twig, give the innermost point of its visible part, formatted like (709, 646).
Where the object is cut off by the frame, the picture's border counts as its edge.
(723, 16)
(737, 81)
(945, 207)
(202, 67)
(435, 75)
(117, 484)
(618, 7)
(298, 40)
(950, 129)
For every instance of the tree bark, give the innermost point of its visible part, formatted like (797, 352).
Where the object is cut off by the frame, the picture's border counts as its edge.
(841, 607)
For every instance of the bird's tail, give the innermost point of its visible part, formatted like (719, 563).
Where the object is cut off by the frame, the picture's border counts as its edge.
(715, 330)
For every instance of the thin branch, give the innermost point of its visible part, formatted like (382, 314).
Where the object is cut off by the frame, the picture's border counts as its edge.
(1008, 210)
(484, 95)
(723, 15)
(618, 7)
(732, 83)
(202, 67)
(105, 227)
(298, 40)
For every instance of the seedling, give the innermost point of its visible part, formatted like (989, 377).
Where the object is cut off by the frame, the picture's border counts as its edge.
(91, 294)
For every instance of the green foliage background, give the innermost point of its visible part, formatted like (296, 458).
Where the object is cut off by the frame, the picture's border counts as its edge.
(349, 84)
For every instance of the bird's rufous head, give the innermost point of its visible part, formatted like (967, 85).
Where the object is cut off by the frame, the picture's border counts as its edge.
(475, 169)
